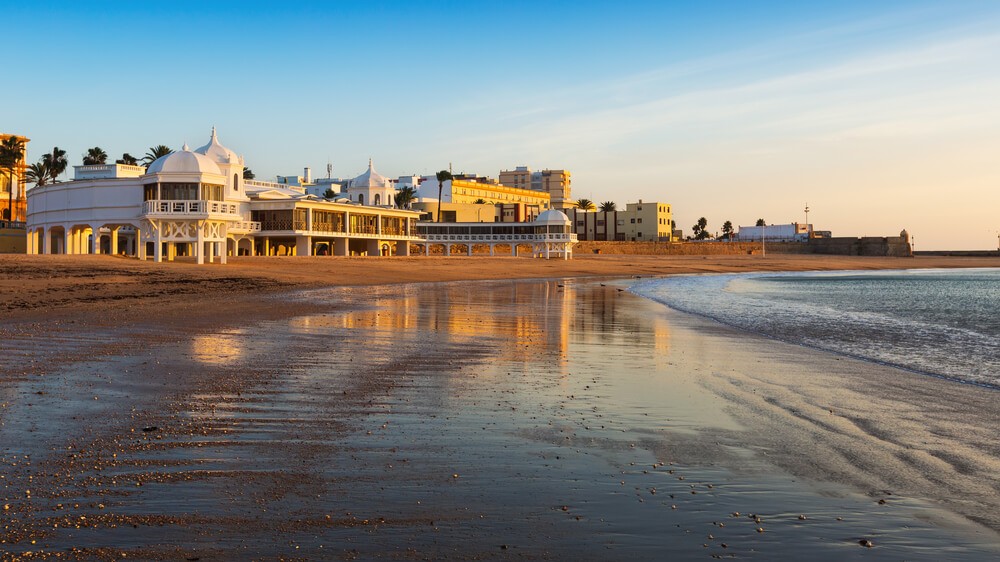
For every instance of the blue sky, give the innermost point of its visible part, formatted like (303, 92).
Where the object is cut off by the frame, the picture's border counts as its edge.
(880, 115)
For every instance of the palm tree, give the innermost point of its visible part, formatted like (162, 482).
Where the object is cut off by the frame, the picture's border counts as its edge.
(585, 204)
(760, 222)
(127, 159)
(608, 207)
(56, 163)
(329, 193)
(442, 176)
(95, 156)
(479, 201)
(38, 173)
(11, 154)
(727, 230)
(404, 197)
(248, 173)
(156, 152)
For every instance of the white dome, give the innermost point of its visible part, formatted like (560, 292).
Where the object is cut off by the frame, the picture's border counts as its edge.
(370, 178)
(184, 162)
(217, 152)
(553, 216)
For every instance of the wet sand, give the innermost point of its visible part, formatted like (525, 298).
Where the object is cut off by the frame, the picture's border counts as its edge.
(554, 418)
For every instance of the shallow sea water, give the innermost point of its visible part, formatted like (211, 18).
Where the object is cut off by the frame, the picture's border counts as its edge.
(939, 322)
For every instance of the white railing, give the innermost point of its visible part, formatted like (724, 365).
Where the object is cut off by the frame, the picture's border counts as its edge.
(264, 184)
(189, 207)
(487, 238)
(244, 226)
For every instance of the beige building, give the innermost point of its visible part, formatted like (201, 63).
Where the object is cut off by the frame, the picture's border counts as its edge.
(13, 205)
(639, 222)
(557, 183)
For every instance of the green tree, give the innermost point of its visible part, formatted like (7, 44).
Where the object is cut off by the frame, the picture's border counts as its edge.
(11, 156)
(248, 173)
(760, 222)
(442, 176)
(727, 229)
(585, 204)
(155, 152)
(38, 173)
(95, 156)
(479, 201)
(329, 193)
(56, 162)
(608, 207)
(127, 159)
(404, 197)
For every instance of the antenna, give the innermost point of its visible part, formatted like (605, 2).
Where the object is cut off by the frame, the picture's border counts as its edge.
(329, 170)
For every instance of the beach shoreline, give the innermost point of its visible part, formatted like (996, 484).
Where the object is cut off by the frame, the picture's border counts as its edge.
(457, 419)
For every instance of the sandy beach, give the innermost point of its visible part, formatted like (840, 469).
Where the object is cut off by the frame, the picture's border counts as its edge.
(338, 408)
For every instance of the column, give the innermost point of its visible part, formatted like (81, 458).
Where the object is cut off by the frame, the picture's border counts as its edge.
(199, 247)
(493, 249)
(513, 249)
(267, 246)
(469, 248)
(303, 245)
(95, 240)
(140, 245)
(157, 248)
(67, 240)
(447, 249)
(114, 240)
(309, 221)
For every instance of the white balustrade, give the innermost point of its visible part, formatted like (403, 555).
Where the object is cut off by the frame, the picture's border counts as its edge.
(189, 207)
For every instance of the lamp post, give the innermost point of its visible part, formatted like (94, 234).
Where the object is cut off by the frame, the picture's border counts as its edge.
(763, 250)
(807, 220)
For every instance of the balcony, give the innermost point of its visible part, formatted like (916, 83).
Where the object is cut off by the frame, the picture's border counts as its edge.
(190, 208)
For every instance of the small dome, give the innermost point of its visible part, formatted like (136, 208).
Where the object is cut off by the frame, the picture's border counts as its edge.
(553, 216)
(184, 162)
(217, 152)
(370, 178)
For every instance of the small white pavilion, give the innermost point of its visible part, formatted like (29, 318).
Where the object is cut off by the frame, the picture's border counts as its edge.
(371, 188)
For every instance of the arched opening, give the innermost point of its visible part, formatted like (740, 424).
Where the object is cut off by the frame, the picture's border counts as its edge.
(361, 198)
(236, 182)
(378, 199)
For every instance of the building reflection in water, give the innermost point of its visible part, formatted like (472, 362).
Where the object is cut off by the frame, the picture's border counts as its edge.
(524, 321)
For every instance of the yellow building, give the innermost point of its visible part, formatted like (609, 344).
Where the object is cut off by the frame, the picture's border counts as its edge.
(12, 189)
(644, 222)
(466, 195)
(639, 222)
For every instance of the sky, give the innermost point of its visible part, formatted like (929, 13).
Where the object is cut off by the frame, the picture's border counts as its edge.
(878, 115)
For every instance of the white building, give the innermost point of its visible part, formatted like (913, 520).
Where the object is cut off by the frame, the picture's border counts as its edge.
(196, 203)
(371, 188)
(793, 232)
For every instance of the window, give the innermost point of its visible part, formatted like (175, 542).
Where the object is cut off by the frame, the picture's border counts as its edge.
(640, 235)
(633, 221)
(640, 221)
(579, 223)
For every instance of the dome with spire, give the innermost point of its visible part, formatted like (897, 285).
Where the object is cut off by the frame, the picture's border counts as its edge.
(184, 162)
(370, 178)
(217, 152)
